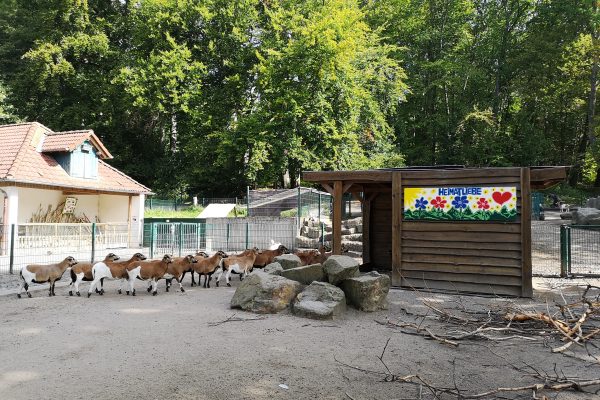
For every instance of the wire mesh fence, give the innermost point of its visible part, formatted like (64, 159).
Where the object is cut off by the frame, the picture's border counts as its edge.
(227, 234)
(581, 248)
(545, 249)
(300, 202)
(23, 244)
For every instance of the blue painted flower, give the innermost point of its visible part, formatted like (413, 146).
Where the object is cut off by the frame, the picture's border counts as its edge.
(421, 203)
(460, 202)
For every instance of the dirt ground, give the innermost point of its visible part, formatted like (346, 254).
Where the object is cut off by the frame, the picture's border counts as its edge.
(164, 347)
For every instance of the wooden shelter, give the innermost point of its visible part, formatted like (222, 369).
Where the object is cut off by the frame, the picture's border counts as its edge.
(450, 227)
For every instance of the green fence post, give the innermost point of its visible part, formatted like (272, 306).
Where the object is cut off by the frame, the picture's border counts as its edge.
(152, 230)
(569, 248)
(565, 251)
(93, 241)
(12, 249)
(180, 237)
(322, 233)
(247, 235)
(319, 207)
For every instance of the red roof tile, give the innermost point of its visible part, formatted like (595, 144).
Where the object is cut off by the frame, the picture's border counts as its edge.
(22, 160)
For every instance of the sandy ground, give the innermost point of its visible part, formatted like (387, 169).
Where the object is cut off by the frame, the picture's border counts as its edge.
(163, 347)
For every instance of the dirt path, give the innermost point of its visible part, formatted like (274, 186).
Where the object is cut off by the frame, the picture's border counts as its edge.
(144, 347)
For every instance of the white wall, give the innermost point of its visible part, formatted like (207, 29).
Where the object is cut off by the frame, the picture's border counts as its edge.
(30, 200)
(113, 208)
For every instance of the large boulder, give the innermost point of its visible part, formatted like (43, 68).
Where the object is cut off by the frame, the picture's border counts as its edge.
(352, 223)
(288, 261)
(339, 268)
(586, 216)
(320, 300)
(307, 243)
(367, 292)
(305, 275)
(265, 293)
(273, 269)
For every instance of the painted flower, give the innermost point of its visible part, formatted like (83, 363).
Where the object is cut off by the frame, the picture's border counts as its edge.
(421, 203)
(483, 203)
(438, 202)
(460, 202)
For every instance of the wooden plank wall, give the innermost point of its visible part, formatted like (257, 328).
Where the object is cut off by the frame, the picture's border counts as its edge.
(482, 257)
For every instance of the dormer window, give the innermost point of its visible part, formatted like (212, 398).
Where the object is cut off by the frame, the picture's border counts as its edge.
(76, 151)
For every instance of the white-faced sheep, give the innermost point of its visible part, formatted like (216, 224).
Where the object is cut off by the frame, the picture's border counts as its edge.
(113, 270)
(35, 273)
(83, 272)
(148, 270)
(207, 266)
(241, 264)
(177, 268)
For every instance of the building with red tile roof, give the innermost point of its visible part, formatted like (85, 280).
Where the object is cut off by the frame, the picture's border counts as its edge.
(40, 168)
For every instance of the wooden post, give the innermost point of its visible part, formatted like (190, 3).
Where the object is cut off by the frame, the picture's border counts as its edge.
(526, 286)
(338, 192)
(397, 229)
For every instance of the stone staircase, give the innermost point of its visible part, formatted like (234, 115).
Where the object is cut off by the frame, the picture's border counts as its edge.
(310, 235)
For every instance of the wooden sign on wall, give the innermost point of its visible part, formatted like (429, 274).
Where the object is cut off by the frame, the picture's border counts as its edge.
(461, 203)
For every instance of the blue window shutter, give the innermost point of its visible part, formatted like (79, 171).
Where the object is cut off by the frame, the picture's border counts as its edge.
(77, 161)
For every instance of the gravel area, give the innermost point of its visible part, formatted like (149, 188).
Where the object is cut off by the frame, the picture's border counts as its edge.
(165, 347)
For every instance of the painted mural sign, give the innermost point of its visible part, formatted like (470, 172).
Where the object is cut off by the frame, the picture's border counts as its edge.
(461, 203)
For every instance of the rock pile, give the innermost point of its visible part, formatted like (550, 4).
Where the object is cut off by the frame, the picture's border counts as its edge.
(313, 291)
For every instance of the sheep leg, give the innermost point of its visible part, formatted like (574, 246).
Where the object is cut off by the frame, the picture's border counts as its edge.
(193, 280)
(179, 280)
(93, 285)
(228, 277)
(53, 287)
(121, 281)
(149, 288)
(206, 281)
(22, 285)
(78, 280)
(154, 287)
(168, 284)
(134, 273)
(101, 291)
(218, 278)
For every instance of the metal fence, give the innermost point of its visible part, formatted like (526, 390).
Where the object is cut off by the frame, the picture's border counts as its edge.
(580, 250)
(23, 244)
(545, 249)
(301, 202)
(227, 234)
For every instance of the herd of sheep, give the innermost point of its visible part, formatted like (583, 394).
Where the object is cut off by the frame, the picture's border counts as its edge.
(151, 271)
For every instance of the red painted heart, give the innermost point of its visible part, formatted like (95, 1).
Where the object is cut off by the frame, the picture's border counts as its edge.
(501, 198)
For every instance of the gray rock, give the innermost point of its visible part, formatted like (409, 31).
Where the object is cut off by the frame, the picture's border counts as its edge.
(265, 293)
(367, 292)
(352, 223)
(352, 245)
(339, 268)
(288, 261)
(320, 300)
(586, 216)
(566, 215)
(348, 231)
(305, 275)
(307, 243)
(273, 269)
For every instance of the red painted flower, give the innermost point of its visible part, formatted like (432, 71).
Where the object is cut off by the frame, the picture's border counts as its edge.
(438, 202)
(483, 203)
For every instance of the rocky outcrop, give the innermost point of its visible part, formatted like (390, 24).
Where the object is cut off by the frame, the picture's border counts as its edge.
(273, 269)
(367, 292)
(288, 261)
(320, 300)
(265, 293)
(586, 216)
(305, 275)
(339, 268)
